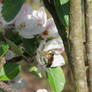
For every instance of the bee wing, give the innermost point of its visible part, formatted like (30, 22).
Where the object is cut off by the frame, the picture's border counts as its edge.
(58, 60)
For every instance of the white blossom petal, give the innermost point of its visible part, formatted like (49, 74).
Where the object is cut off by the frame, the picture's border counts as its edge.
(31, 23)
(51, 28)
(54, 44)
(58, 60)
(51, 43)
(42, 90)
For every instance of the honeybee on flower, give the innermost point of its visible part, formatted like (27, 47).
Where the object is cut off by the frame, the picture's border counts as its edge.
(33, 22)
(50, 48)
(29, 23)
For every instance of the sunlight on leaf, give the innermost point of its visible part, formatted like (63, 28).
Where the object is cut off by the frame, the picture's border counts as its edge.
(56, 79)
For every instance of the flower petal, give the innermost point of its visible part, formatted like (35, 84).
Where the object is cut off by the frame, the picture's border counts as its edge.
(32, 23)
(54, 44)
(58, 60)
(52, 29)
(42, 90)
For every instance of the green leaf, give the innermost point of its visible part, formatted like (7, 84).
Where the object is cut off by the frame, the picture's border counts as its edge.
(62, 9)
(11, 8)
(56, 79)
(13, 36)
(9, 71)
(34, 71)
(14, 48)
(3, 48)
(30, 45)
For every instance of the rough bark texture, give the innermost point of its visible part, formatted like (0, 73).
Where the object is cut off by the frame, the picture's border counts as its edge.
(76, 46)
(88, 5)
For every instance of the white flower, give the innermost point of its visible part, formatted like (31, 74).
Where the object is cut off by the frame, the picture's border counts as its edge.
(51, 29)
(30, 22)
(50, 47)
(42, 90)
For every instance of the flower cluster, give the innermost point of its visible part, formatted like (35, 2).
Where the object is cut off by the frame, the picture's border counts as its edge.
(29, 23)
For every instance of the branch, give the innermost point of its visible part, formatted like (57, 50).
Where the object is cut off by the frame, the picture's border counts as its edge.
(5, 88)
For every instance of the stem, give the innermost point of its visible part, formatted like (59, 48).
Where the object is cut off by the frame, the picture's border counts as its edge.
(88, 6)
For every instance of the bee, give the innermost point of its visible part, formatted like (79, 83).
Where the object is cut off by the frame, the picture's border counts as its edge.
(50, 57)
(50, 60)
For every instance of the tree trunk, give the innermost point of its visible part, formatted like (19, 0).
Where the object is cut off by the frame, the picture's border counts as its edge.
(88, 5)
(76, 46)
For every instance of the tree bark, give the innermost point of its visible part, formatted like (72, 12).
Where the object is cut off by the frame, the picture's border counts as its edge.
(88, 6)
(76, 46)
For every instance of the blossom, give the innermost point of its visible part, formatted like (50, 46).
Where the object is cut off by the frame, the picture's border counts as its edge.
(30, 22)
(51, 47)
(42, 90)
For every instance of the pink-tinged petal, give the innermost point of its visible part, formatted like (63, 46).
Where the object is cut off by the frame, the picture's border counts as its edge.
(61, 50)
(26, 9)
